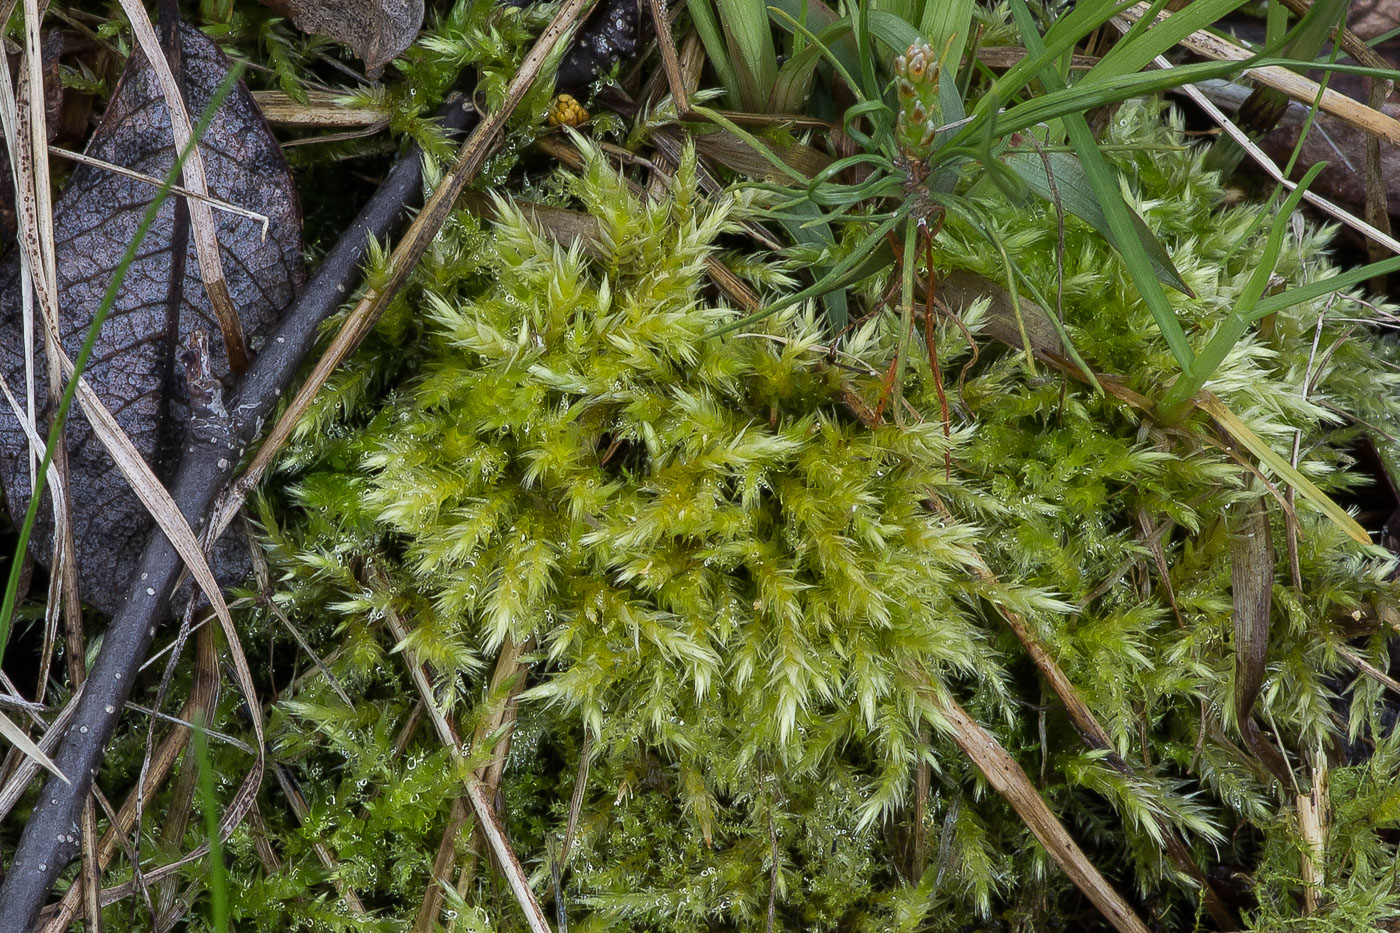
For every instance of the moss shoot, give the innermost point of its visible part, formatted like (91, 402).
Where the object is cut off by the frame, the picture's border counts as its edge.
(739, 602)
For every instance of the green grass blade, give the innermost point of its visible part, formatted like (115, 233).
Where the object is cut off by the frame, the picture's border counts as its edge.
(1104, 181)
(793, 83)
(1237, 322)
(947, 25)
(908, 10)
(1137, 51)
(1143, 23)
(702, 14)
(1067, 31)
(852, 267)
(754, 143)
(865, 49)
(839, 50)
(1314, 290)
(1077, 197)
(809, 18)
(972, 213)
(812, 229)
(1081, 98)
(894, 32)
(754, 58)
(208, 802)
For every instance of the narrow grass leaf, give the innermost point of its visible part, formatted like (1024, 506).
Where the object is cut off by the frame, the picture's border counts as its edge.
(808, 18)
(946, 25)
(1104, 181)
(756, 144)
(1313, 290)
(1062, 37)
(893, 32)
(811, 229)
(1082, 98)
(1275, 461)
(753, 57)
(702, 14)
(208, 802)
(1138, 50)
(836, 44)
(1076, 194)
(839, 277)
(1236, 323)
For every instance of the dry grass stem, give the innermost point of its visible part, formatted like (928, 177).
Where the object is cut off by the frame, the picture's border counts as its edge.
(477, 793)
(34, 752)
(1269, 165)
(410, 248)
(426, 919)
(181, 799)
(1209, 45)
(22, 126)
(202, 228)
(1008, 780)
(90, 875)
(28, 767)
(1369, 669)
(1312, 826)
(27, 135)
(670, 60)
(152, 493)
(585, 756)
(155, 182)
(323, 110)
(507, 680)
(1352, 44)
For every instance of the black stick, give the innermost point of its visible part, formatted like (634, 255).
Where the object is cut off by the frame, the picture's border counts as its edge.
(50, 840)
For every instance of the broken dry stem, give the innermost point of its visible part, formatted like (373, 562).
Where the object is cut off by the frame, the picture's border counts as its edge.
(321, 111)
(507, 680)
(1209, 45)
(85, 159)
(478, 795)
(202, 227)
(1008, 780)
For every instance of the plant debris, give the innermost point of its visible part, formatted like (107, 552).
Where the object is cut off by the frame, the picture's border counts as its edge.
(376, 30)
(161, 302)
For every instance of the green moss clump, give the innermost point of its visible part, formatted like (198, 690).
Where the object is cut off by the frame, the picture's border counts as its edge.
(743, 604)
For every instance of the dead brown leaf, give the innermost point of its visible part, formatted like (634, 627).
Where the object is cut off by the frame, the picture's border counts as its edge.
(1251, 583)
(376, 30)
(161, 302)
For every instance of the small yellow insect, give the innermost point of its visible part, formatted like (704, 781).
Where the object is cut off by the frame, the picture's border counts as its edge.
(565, 111)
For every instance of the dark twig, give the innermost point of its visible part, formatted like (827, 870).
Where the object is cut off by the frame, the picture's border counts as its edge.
(45, 849)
